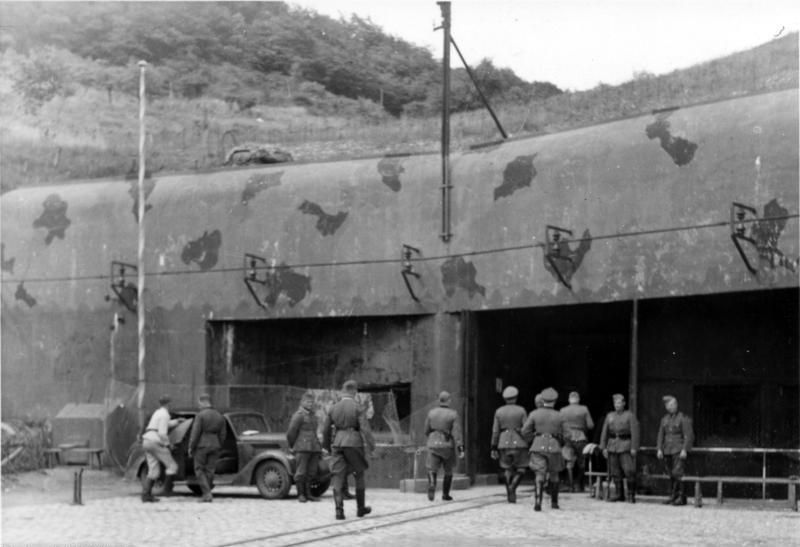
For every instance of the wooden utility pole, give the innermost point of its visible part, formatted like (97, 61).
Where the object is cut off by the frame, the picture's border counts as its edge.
(446, 187)
(140, 305)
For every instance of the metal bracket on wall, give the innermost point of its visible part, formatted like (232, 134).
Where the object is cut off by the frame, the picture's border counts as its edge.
(552, 251)
(252, 263)
(741, 216)
(407, 255)
(124, 291)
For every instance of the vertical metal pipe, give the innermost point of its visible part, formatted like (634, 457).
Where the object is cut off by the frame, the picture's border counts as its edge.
(445, 235)
(633, 377)
(140, 307)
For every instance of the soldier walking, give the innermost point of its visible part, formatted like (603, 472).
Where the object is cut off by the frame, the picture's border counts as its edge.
(205, 442)
(675, 438)
(578, 422)
(619, 441)
(443, 433)
(508, 446)
(546, 427)
(156, 446)
(303, 440)
(349, 446)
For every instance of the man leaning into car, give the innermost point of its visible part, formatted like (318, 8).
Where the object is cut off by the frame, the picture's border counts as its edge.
(155, 443)
(205, 442)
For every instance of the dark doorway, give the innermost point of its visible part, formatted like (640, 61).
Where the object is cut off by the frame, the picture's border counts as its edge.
(727, 415)
(585, 348)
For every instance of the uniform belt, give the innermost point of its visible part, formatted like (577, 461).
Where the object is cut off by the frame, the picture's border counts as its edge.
(146, 430)
(622, 436)
(504, 429)
(349, 429)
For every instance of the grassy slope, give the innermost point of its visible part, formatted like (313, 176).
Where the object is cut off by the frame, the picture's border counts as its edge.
(86, 136)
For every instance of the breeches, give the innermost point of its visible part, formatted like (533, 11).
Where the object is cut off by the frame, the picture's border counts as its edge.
(621, 464)
(346, 460)
(514, 458)
(156, 453)
(543, 462)
(307, 464)
(674, 465)
(205, 462)
(573, 454)
(441, 457)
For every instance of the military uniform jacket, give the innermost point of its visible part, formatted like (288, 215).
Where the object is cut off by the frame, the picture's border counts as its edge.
(352, 427)
(546, 427)
(302, 433)
(675, 433)
(577, 421)
(507, 428)
(620, 432)
(208, 430)
(442, 428)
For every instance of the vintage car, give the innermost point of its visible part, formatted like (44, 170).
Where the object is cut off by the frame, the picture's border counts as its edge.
(252, 455)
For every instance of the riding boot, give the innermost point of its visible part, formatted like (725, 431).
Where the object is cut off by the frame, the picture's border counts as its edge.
(617, 491)
(301, 489)
(571, 479)
(362, 509)
(168, 483)
(630, 490)
(538, 493)
(672, 493)
(431, 485)
(514, 484)
(309, 495)
(147, 492)
(346, 492)
(680, 498)
(446, 484)
(508, 476)
(554, 495)
(338, 499)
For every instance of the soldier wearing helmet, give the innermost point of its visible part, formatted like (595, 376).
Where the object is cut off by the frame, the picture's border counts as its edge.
(508, 446)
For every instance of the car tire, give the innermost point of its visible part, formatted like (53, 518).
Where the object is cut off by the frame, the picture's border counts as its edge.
(272, 480)
(317, 487)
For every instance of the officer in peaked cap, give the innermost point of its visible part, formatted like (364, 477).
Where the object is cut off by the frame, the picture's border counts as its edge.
(578, 421)
(508, 446)
(675, 437)
(545, 426)
(443, 431)
(619, 441)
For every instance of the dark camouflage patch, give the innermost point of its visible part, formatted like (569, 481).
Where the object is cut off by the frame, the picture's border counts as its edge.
(258, 183)
(24, 295)
(569, 260)
(7, 265)
(518, 174)
(457, 273)
(679, 149)
(203, 251)
(133, 192)
(390, 169)
(326, 224)
(282, 280)
(53, 218)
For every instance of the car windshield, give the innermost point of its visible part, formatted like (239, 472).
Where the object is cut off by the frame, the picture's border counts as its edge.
(248, 424)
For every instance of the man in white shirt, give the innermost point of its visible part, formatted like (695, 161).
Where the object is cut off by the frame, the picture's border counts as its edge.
(156, 446)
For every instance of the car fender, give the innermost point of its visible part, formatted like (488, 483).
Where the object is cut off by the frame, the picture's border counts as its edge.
(246, 476)
(136, 458)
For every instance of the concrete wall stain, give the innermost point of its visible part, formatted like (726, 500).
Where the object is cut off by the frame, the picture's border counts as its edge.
(518, 174)
(390, 169)
(258, 183)
(283, 280)
(679, 149)
(133, 192)
(7, 265)
(570, 259)
(457, 273)
(326, 224)
(767, 232)
(53, 218)
(203, 251)
(24, 295)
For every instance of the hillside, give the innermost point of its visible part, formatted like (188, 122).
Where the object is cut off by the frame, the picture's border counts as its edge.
(211, 93)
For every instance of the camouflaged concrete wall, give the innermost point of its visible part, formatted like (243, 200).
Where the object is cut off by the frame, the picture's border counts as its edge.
(333, 233)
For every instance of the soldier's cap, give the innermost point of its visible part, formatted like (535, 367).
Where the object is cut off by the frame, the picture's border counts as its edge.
(549, 395)
(164, 399)
(618, 397)
(574, 395)
(444, 397)
(538, 399)
(668, 398)
(350, 386)
(510, 392)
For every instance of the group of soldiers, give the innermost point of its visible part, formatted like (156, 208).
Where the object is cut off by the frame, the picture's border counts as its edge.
(548, 441)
